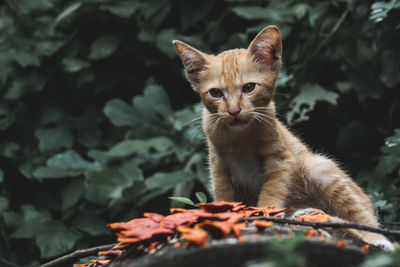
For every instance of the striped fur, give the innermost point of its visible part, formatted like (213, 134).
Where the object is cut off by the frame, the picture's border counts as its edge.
(260, 162)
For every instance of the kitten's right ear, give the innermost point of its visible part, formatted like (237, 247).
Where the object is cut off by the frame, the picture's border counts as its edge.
(266, 48)
(193, 60)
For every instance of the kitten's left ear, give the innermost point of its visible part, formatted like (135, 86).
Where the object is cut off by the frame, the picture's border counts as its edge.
(266, 48)
(193, 60)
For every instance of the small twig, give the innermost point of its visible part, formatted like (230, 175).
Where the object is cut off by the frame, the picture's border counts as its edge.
(325, 224)
(77, 255)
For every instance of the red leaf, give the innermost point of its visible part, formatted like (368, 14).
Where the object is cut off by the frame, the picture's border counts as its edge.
(139, 223)
(114, 252)
(314, 217)
(261, 224)
(178, 219)
(219, 206)
(341, 243)
(153, 216)
(195, 236)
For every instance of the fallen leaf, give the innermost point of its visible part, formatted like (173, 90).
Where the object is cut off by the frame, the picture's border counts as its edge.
(113, 252)
(314, 217)
(261, 225)
(152, 245)
(219, 206)
(217, 229)
(364, 248)
(153, 216)
(237, 229)
(196, 236)
(341, 243)
(310, 233)
(178, 219)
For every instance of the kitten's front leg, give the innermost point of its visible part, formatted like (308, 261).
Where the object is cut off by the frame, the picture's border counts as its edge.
(222, 186)
(276, 186)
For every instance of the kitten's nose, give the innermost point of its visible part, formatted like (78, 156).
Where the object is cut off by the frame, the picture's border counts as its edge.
(234, 111)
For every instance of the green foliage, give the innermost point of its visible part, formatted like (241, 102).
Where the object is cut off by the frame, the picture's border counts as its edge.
(94, 108)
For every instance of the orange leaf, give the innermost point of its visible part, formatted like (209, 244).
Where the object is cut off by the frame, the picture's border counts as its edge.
(116, 252)
(195, 236)
(217, 229)
(261, 224)
(153, 216)
(237, 229)
(310, 233)
(219, 206)
(364, 248)
(314, 217)
(139, 223)
(153, 245)
(341, 243)
(178, 219)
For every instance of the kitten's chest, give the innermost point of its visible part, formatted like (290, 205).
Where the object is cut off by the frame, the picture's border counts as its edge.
(246, 171)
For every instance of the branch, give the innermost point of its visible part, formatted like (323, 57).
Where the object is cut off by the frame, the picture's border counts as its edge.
(325, 224)
(77, 255)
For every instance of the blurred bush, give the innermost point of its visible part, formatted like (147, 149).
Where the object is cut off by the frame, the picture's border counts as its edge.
(97, 122)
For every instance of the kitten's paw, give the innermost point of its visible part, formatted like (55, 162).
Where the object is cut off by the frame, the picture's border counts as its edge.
(384, 244)
(306, 211)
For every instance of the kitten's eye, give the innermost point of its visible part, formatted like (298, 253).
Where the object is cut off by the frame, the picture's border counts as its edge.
(248, 87)
(215, 92)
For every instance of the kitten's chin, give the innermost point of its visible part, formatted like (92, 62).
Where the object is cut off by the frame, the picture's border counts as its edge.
(238, 124)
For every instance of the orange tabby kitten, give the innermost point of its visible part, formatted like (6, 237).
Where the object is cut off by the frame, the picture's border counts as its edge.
(253, 157)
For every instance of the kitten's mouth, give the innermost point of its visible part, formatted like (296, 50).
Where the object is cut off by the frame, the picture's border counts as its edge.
(238, 123)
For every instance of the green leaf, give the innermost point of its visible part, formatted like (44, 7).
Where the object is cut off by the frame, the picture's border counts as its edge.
(154, 104)
(74, 64)
(201, 197)
(183, 200)
(163, 42)
(120, 113)
(51, 139)
(71, 160)
(303, 103)
(390, 69)
(68, 163)
(51, 172)
(68, 12)
(55, 243)
(71, 194)
(91, 223)
(3, 204)
(151, 145)
(103, 47)
(167, 180)
(1, 176)
(105, 185)
(123, 9)
(131, 170)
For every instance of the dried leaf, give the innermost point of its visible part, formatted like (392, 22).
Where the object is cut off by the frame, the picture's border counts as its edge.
(341, 243)
(217, 229)
(310, 233)
(364, 248)
(237, 229)
(113, 252)
(178, 219)
(195, 236)
(314, 217)
(219, 206)
(153, 216)
(261, 225)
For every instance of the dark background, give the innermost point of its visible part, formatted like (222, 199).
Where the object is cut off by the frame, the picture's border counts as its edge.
(94, 106)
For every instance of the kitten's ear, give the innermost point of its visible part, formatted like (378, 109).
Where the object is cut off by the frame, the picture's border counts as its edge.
(266, 48)
(193, 60)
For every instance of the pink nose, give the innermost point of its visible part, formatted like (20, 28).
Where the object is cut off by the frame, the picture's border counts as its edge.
(234, 111)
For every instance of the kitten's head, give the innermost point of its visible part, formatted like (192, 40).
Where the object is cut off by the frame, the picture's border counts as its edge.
(236, 86)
